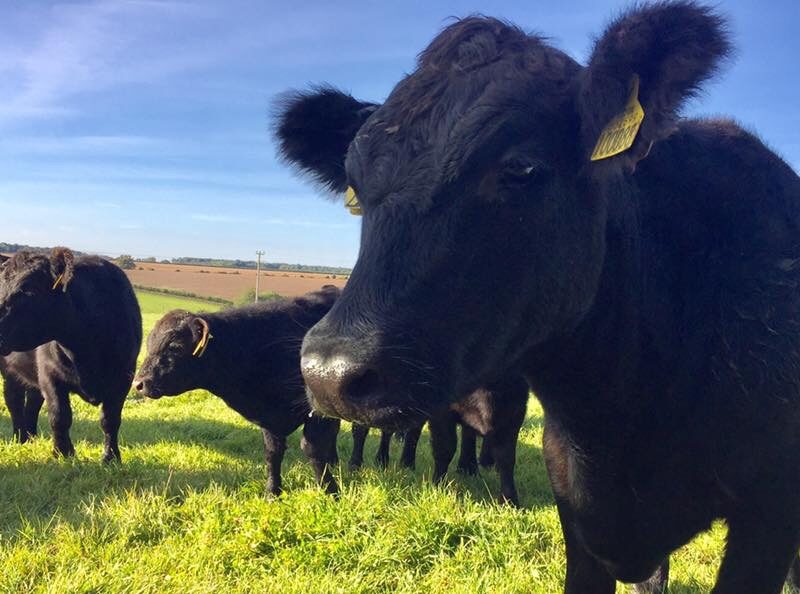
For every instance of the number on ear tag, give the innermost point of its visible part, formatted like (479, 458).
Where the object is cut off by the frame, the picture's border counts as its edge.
(618, 136)
(351, 202)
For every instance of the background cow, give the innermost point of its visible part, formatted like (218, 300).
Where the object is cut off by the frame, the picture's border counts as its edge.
(250, 357)
(408, 456)
(496, 413)
(76, 327)
(521, 209)
(23, 401)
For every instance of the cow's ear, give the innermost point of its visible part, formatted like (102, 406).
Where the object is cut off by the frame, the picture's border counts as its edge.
(201, 331)
(62, 262)
(658, 54)
(313, 130)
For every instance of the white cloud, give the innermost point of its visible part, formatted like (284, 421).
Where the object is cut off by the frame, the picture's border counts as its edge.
(85, 47)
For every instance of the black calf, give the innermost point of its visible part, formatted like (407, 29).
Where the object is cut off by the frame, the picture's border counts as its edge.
(249, 357)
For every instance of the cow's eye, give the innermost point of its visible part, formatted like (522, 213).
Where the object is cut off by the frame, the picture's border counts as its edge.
(521, 170)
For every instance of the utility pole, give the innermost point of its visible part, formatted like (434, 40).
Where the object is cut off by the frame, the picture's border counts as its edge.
(259, 253)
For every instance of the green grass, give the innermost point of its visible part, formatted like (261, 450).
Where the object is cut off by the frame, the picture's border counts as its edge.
(185, 512)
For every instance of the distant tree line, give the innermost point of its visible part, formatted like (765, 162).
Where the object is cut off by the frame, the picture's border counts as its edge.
(128, 262)
(13, 248)
(188, 294)
(251, 264)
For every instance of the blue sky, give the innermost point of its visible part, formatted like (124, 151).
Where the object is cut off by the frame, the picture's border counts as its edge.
(142, 126)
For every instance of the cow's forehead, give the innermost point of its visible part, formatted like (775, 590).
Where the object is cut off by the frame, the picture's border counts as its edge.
(168, 328)
(435, 114)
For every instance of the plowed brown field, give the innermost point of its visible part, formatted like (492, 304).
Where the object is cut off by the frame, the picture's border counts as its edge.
(228, 283)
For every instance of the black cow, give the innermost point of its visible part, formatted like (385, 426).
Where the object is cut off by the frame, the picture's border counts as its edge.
(73, 325)
(23, 401)
(250, 357)
(521, 209)
(495, 412)
(407, 457)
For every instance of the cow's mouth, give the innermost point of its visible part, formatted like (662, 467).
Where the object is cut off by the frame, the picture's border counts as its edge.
(393, 417)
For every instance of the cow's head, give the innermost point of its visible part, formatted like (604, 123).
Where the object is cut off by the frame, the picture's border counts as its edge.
(33, 298)
(175, 363)
(484, 218)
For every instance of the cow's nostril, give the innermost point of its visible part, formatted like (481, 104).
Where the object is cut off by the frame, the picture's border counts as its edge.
(362, 385)
(138, 386)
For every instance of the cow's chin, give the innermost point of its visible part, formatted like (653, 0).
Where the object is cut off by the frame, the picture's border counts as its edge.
(389, 417)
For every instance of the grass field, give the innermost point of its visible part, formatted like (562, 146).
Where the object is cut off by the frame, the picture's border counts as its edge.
(185, 513)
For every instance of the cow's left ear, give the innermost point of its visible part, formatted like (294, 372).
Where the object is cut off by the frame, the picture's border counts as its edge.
(61, 267)
(667, 50)
(314, 129)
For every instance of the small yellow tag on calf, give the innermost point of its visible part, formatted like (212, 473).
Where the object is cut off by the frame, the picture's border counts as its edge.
(351, 202)
(618, 136)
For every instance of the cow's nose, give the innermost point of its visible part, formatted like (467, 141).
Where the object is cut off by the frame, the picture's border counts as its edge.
(138, 384)
(339, 383)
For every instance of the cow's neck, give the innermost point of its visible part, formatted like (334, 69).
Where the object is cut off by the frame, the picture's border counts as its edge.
(587, 373)
(217, 362)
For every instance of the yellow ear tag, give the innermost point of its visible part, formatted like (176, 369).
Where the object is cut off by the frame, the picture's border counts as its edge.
(201, 347)
(59, 280)
(618, 136)
(351, 202)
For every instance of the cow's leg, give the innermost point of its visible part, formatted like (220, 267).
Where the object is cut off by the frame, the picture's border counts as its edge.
(33, 404)
(59, 413)
(657, 584)
(274, 449)
(486, 459)
(443, 444)
(382, 457)
(758, 555)
(410, 439)
(110, 420)
(319, 445)
(467, 458)
(14, 395)
(508, 415)
(359, 438)
(504, 451)
(585, 574)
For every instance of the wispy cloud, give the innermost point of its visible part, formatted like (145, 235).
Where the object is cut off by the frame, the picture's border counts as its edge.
(239, 220)
(83, 47)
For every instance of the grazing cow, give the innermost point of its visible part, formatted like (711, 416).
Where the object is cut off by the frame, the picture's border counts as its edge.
(250, 357)
(68, 324)
(521, 210)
